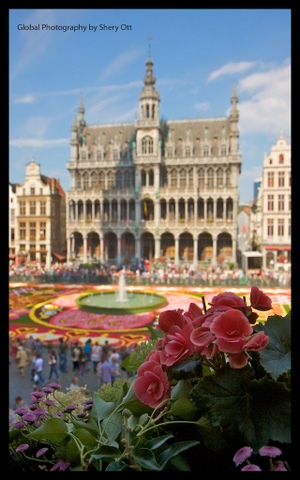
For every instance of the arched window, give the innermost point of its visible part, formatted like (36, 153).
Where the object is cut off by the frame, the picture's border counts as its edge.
(210, 178)
(219, 177)
(147, 145)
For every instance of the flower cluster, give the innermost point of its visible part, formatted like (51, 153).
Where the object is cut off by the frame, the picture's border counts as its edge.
(218, 371)
(244, 453)
(222, 333)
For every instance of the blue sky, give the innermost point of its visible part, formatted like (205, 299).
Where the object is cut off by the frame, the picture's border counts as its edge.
(198, 55)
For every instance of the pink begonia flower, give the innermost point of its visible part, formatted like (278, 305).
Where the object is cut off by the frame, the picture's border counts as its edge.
(152, 386)
(259, 300)
(154, 355)
(194, 312)
(228, 346)
(237, 360)
(231, 325)
(227, 299)
(268, 451)
(177, 345)
(256, 342)
(209, 352)
(242, 454)
(168, 318)
(251, 468)
(202, 336)
(207, 318)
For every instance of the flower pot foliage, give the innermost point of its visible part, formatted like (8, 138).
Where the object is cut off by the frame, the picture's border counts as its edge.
(209, 383)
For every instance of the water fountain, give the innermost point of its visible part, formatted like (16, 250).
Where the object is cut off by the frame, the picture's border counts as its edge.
(119, 302)
(121, 292)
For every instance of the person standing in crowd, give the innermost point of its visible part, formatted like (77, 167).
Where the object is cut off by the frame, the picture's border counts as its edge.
(75, 382)
(33, 365)
(29, 347)
(39, 346)
(105, 350)
(63, 355)
(38, 369)
(53, 364)
(87, 349)
(14, 347)
(116, 371)
(83, 364)
(22, 360)
(104, 370)
(76, 353)
(19, 402)
(96, 355)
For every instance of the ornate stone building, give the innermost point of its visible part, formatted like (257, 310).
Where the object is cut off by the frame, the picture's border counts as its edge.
(39, 219)
(154, 189)
(274, 206)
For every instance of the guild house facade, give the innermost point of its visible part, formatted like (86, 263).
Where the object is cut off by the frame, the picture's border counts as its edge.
(161, 190)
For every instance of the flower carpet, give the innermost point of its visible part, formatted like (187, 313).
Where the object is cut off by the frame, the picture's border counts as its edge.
(49, 311)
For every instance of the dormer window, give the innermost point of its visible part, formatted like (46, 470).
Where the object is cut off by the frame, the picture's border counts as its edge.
(147, 145)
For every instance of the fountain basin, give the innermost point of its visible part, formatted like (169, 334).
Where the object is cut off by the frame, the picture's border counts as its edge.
(109, 303)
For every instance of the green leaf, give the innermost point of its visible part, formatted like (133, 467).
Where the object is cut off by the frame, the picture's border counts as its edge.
(174, 450)
(117, 466)
(275, 358)
(183, 408)
(181, 389)
(271, 411)
(101, 409)
(54, 429)
(155, 443)
(259, 411)
(212, 436)
(180, 463)
(113, 425)
(90, 426)
(86, 438)
(155, 332)
(146, 459)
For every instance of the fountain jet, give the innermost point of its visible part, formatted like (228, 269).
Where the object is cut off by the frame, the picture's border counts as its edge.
(121, 293)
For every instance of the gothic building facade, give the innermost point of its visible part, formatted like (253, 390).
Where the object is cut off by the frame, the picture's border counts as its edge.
(154, 189)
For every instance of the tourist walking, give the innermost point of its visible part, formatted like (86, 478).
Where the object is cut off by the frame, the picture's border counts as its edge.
(96, 355)
(22, 360)
(105, 350)
(87, 349)
(39, 346)
(53, 365)
(63, 355)
(83, 364)
(104, 370)
(116, 370)
(38, 370)
(76, 353)
(29, 347)
(33, 365)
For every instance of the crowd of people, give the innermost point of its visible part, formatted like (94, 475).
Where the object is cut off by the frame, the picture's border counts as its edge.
(67, 361)
(146, 274)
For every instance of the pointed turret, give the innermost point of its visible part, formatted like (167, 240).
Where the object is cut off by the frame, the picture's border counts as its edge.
(149, 97)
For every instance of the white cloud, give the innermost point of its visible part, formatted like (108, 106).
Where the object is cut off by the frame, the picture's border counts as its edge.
(39, 142)
(202, 106)
(118, 64)
(230, 68)
(268, 111)
(25, 99)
